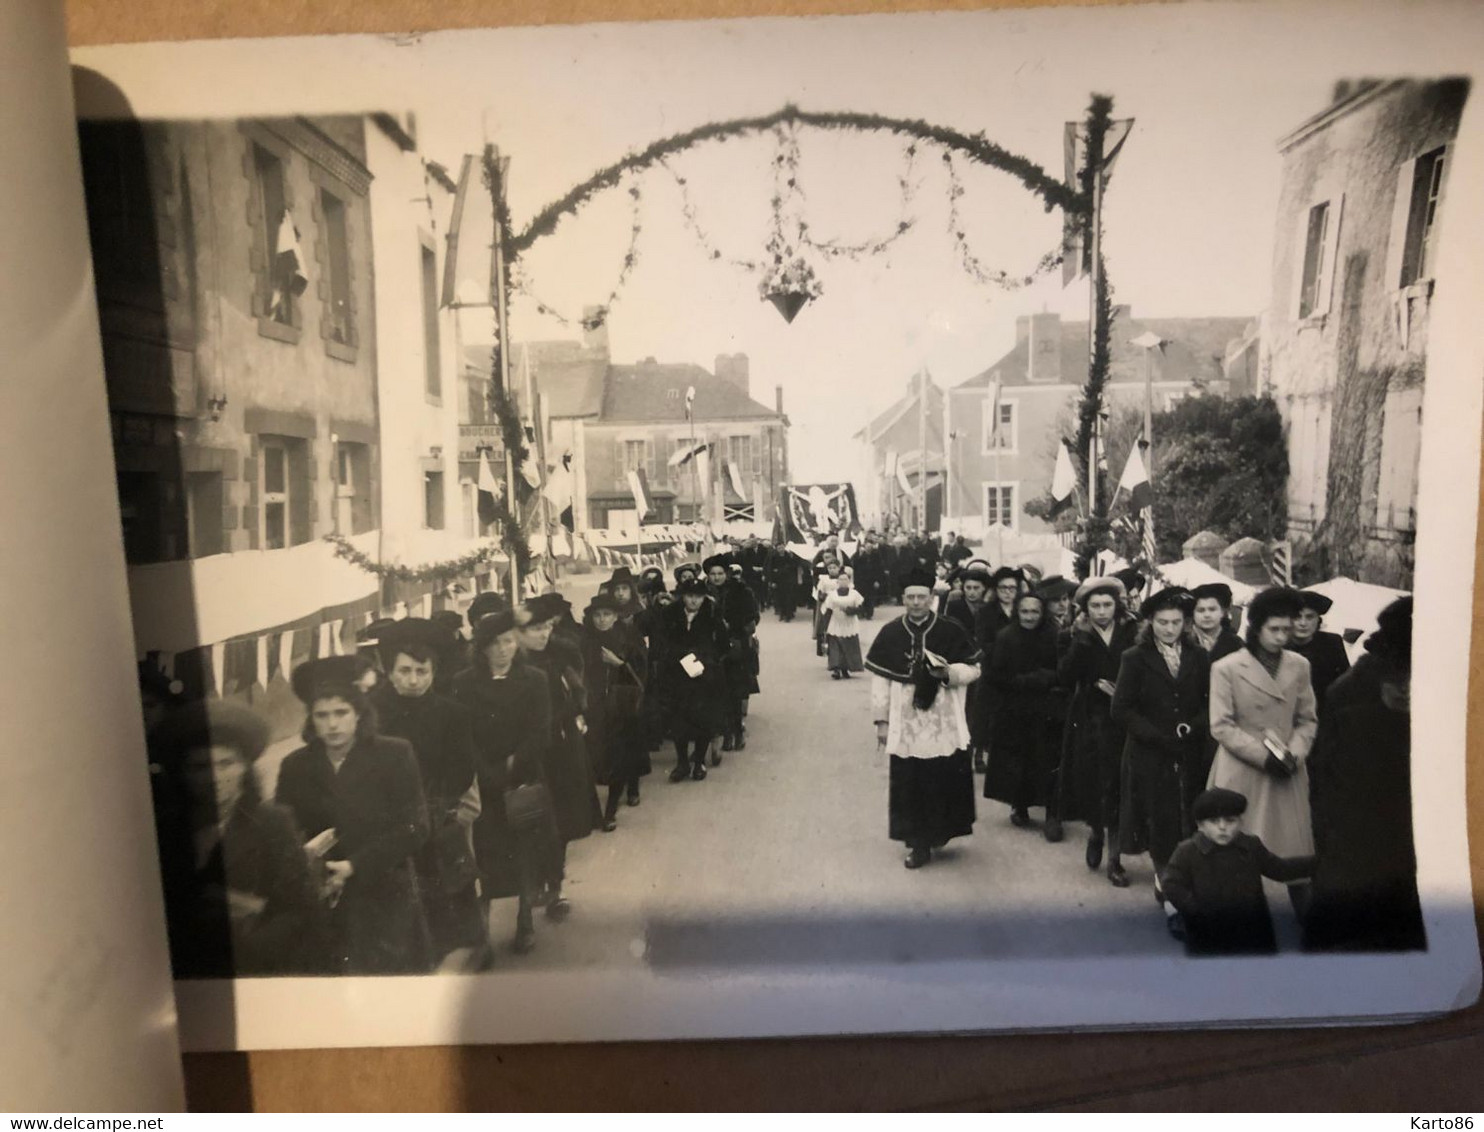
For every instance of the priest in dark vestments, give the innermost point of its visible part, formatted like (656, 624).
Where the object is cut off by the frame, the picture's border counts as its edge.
(921, 667)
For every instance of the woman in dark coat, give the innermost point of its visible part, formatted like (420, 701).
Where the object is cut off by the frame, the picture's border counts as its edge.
(787, 574)
(408, 707)
(739, 613)
(1365, 886)
(1161, 702)
(240, 899)
(694, 700)
(1325, 652)
(510, 712)
(567, 769)
(615, 668)
(362, 794)
(1022, 681)
(1090, 783)
(997, 612)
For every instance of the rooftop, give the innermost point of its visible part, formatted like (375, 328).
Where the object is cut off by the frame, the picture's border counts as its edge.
(654, 391)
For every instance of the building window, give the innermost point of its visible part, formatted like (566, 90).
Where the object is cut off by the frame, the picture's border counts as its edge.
(204, 533)
(1427, 189)
(1315, 248)
(280, 241)
(636, 454)
(1004, 438)
(148, 506)
(340, 325)
(352, 488)
(283, 492)
(999, 505)
(744, 452)
(433, 500)
(122, 215)
(430, 323)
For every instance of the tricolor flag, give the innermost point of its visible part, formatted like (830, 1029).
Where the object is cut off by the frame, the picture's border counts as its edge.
(1135, 480)
(489, 490)
(639, 486)
(1063, 480)
(288, 262)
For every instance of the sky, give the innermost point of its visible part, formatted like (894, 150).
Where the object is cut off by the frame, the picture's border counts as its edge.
(1188, 218)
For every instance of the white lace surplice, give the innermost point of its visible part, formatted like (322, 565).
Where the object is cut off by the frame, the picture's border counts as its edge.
(931, 734)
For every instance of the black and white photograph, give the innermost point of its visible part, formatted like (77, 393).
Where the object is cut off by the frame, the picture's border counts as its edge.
(895, 523)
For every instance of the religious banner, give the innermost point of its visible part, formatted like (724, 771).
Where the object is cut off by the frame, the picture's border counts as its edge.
(812, 512)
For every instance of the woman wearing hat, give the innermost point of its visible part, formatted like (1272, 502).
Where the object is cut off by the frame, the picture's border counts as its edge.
(567, 769)
(993, 616)
(1325, 652)
(1090, 783)
(623, 588)
(1211, 623)
(739, 614)
(1021, 677)
(510, 710)
(1133, 587)
(615, 668)
(360, 795)
(1264, 721)
(920, 665)
(1160, 701)
(239, 896)
(409, 707)
(690, 650)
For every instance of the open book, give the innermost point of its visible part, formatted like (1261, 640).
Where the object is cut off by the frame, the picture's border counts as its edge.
(361, 422)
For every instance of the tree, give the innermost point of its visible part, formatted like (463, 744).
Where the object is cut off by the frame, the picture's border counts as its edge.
(1219, 464)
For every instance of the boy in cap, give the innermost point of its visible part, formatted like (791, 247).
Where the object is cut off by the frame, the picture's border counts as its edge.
(1214, 879)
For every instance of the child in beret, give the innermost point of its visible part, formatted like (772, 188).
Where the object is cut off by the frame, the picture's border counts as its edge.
(1214, 880)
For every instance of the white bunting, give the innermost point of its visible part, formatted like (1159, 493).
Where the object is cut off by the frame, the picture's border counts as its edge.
(335, 645)
(219, 666)
(263, 661)
(285, 652)
(427, 606)
(324, 639)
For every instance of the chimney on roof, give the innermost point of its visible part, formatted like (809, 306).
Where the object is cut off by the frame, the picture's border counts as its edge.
(594, 338)
(734, 368)
(1045, 346)
(778, 398)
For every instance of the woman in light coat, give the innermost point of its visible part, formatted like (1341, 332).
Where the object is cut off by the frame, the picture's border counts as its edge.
(1263, 720)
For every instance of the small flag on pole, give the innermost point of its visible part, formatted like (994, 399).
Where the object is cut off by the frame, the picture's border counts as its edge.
(1135, 480)
(489, 490)
(690, 401)
(1063, 480)
(994, 413)
(639, 487)
(687, 452)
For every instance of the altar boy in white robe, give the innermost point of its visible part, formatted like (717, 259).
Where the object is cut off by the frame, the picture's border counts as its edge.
(921, 666)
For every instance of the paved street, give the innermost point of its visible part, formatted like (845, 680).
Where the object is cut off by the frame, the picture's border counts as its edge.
(780, 856)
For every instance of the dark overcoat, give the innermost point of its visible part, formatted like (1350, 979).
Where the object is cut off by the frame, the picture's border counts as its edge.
(1328, 661)
(988, 622)
(739, 614)
(568, 771)
(1022, 682)
(616, 741)
(1217, 889)
(442, 739)
(260, 854)
(1092, 752)
(374, 803)
(511, 721)
(1150, 704)
(787, 577)
(1360, 789)
(694, 706)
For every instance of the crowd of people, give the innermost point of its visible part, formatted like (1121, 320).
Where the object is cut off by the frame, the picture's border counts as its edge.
(1146, 716)
(448, 763)
(451, 761)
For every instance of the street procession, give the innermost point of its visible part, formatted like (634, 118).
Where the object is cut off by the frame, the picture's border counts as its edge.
(472, 636)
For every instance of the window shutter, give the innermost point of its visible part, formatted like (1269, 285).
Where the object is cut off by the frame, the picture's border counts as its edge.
(1300, 256)
(1447, 159)
(1396, 245)
(1331, 255)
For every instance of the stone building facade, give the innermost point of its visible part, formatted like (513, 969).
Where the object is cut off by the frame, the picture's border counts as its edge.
(1362, 209)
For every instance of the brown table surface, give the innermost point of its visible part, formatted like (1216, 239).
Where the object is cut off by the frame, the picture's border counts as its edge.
(1431, 1066)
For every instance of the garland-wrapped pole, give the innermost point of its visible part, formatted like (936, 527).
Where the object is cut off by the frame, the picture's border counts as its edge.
(500, 292)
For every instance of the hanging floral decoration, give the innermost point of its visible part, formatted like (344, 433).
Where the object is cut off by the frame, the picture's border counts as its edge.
(596, 318)
(874, 247)
(440, 572)
(692, 221)
(972, 264)
(788, 281)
